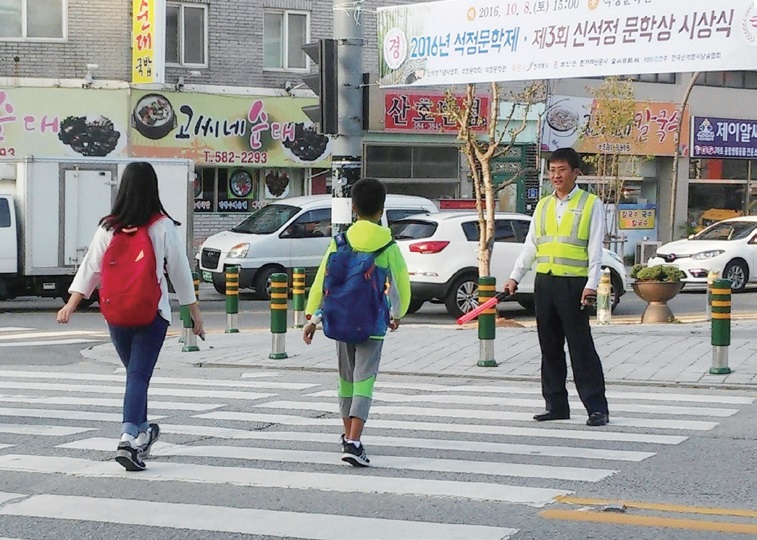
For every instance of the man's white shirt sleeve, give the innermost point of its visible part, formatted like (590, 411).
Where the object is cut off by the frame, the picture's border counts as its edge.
(527, 255)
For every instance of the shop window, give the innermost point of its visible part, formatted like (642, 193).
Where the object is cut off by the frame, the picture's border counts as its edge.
(722, 169)
(33, 19)
(412, 161)
(730, 79)
(284, 34)
(226, 190)
(187, 34)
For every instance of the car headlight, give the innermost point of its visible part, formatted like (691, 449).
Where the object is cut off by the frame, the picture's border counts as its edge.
(239, 251)
(707, 254)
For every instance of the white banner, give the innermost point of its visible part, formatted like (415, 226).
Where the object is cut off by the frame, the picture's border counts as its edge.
(456, 41)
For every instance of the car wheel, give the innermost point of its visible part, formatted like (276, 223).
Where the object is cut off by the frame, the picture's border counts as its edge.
(462, 296)
(219, 282)
(527, 304)
(415, 305)
(738, 273)
(263, 282)
(615, 287)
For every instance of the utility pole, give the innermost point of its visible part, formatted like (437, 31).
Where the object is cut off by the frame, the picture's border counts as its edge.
(347, 155)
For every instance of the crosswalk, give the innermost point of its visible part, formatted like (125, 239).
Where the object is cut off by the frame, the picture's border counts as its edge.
(257, 455)
(18, 336)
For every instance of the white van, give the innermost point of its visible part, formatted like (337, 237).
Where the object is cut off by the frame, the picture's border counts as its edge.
(291, 233)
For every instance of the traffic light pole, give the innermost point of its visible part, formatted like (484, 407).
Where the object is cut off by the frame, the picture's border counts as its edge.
(347, 152)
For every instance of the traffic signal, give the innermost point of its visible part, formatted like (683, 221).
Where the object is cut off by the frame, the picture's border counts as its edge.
(325, 84)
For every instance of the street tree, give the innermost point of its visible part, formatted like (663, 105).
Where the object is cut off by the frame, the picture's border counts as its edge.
(480, 150)
(611, 130)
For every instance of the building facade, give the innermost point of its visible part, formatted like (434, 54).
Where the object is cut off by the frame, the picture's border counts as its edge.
(230, 97)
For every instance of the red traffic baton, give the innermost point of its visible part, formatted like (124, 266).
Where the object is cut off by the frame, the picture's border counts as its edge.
(472, 314)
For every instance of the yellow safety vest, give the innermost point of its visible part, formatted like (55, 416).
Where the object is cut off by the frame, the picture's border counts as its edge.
(563, 249)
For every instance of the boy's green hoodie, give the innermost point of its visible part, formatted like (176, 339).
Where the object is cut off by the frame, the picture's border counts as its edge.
(365, 235)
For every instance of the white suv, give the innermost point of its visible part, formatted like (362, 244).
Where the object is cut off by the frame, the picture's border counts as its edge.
(290, 233)
(441, 251)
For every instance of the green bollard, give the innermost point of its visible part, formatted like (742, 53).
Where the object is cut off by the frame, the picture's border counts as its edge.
(190, 340)
(486, 323)
(232, 300)
(298, 297)
(278, 316)
(720, 308)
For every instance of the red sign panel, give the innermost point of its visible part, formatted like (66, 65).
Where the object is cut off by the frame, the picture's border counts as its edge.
(423, 112)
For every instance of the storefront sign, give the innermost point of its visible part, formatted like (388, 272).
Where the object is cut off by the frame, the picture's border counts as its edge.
(60, 122)
(640, 216)
(148, 47)
(226, 130)
(652, 134)
(454, 42)
(423, 112)
(724, 138)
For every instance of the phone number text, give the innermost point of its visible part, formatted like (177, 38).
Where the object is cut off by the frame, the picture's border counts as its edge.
(236, 157)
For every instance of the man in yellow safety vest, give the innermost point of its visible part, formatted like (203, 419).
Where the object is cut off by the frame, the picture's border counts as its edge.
(565, 239)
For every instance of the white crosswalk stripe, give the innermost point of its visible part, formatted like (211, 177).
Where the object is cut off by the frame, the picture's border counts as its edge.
(238, 520)
(263, 432)
(15, 336)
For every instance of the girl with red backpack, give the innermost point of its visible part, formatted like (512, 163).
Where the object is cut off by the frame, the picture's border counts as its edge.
(130, 250)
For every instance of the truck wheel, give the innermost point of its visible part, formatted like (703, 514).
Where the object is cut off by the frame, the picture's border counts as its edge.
(462, 296)
(263, 281)
(415, 305)
(219, 282)
(87, 302)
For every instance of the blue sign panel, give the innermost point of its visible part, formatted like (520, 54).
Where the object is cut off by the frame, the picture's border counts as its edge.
(720, 138)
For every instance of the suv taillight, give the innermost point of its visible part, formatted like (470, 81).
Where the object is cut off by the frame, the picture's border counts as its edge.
(428, 247)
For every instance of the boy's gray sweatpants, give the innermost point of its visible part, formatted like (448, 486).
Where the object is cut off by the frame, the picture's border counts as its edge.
(358, 366)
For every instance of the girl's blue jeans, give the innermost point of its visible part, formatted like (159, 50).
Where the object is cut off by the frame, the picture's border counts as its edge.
(138, 347)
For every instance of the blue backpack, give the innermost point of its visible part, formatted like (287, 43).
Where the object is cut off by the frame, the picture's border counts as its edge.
(354, 305)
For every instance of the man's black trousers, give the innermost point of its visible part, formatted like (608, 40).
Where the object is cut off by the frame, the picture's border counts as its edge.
(559, 317)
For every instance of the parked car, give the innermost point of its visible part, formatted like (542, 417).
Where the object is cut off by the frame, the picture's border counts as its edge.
(729, 246)
(441, 251)
(291, 233)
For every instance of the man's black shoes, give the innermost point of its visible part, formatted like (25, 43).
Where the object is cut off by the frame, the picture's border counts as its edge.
(598, 419)
(551, 415)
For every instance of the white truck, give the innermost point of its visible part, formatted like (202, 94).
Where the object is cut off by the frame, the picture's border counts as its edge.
(50, 208)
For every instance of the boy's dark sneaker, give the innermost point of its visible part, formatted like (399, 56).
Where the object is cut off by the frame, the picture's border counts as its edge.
(355, 455)
(151, 435)
(129, 457)
(342, 441)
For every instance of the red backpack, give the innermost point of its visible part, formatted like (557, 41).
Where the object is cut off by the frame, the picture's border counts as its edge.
(129, 287)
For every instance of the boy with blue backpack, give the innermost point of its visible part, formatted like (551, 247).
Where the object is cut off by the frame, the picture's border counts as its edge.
(350, 296)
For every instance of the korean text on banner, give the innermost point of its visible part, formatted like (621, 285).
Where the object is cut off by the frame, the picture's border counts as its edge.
(732, 138)
(148, 24)
(454, 42)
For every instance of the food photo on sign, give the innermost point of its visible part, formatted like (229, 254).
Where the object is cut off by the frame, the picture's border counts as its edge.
(276, 182)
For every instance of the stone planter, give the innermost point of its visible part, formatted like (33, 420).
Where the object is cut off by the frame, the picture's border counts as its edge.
(657, 294)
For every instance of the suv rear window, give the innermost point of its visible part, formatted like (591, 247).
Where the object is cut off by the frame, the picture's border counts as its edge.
(413, 229)
(398, 213)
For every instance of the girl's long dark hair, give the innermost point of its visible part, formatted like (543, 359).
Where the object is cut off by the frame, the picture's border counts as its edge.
(137, 200)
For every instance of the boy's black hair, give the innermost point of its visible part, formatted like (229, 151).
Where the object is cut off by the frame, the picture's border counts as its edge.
(568, 155)
(368, 197)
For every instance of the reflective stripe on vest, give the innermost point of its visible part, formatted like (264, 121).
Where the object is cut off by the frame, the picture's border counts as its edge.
(562, 249)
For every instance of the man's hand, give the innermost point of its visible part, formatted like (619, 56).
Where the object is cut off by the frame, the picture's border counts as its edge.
(394, 324)
(589, 297)
(307, 333)
(510, 287)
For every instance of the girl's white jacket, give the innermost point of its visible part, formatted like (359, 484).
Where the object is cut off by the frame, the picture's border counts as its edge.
(168, 247)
